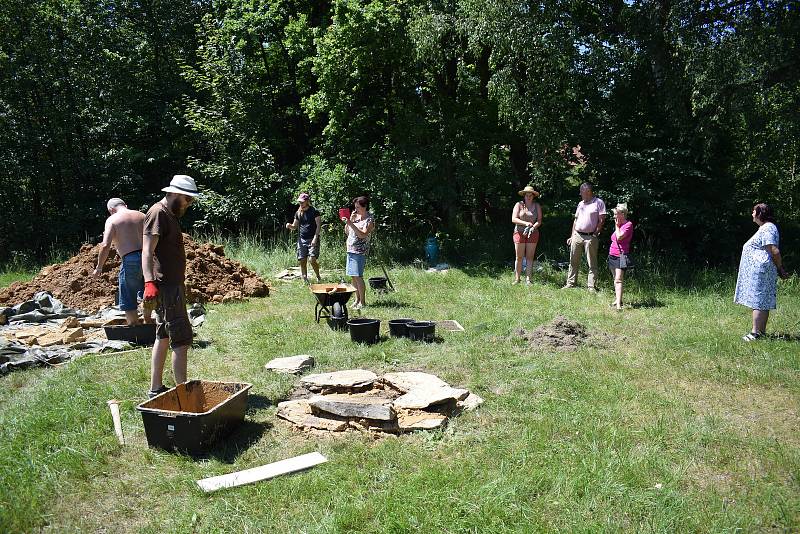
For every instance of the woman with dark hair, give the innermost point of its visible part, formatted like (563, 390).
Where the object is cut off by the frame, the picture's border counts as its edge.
(358, 229)
(759, 268)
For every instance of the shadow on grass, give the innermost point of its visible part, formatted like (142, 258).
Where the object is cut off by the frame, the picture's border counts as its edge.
(392, 303)
(783, 336)
(651, 302)
(258, 402)
(230, 447)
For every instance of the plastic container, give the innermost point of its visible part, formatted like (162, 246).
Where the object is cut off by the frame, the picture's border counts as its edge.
(422, 331)
(378, 283)
(399, 327)
(364, 330)
(139, 334)
(431, 250)
(192, 416)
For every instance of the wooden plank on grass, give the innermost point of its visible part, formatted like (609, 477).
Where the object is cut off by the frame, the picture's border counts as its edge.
(264, 472)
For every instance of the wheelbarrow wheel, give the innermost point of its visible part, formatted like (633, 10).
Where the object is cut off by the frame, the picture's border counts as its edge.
(338, 310)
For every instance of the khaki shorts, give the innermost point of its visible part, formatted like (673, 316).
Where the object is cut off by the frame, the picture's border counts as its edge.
(172, 320)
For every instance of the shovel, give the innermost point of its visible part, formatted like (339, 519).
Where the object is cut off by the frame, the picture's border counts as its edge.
(388, 281)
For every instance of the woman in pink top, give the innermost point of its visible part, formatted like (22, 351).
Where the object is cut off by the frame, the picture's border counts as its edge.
(620, 246)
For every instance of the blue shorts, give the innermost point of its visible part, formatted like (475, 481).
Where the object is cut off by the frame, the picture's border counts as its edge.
(131, 281)
(355, 264)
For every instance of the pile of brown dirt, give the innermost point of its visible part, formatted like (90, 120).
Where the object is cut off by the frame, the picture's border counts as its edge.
(210, 277)
(560, 334)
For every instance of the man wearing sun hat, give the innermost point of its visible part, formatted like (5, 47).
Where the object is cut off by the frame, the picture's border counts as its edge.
(309, 221)
(164, 267)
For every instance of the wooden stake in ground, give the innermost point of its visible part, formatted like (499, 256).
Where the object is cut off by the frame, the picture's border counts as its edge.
(264, 472)
(114, 405)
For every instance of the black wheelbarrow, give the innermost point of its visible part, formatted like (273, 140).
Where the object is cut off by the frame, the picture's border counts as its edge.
(331, 300)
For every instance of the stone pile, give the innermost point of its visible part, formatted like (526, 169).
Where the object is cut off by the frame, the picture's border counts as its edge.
(358, 399)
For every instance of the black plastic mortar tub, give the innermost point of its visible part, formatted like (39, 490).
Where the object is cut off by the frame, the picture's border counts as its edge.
(337, 323)
(422, 331)
(399, 327)
(193, 416)
(139, 334)
(364, 330)
(377, 282)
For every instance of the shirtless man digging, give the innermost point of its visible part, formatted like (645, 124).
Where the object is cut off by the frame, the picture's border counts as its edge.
(124, 230)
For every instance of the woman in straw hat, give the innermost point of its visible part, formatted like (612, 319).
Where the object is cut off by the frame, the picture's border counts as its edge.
(618, 259)
(527, 218)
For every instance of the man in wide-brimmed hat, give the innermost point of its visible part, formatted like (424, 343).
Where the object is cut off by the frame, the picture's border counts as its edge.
(164, 266)
(590, 216)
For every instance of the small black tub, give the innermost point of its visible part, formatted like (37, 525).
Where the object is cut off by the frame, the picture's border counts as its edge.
(377, 283)
(337, 323)
(138, 334)
(399, 327)
(364, 330)
(422, 331)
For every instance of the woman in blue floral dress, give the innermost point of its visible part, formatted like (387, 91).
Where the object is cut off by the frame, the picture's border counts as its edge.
(759, 268)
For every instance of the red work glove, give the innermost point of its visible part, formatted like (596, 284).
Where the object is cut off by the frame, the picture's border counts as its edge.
(150, 290)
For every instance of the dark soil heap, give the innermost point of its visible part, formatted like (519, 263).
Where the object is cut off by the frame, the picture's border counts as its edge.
(560, 333)
(210, 277)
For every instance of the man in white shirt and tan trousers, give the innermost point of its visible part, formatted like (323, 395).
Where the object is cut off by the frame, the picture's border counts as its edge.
(590, 216)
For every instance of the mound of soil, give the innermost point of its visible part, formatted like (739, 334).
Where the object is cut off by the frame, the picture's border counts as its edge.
(560, 334)
(210, 277)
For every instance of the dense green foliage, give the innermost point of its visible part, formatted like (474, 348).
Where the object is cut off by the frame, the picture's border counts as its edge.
(688, 110)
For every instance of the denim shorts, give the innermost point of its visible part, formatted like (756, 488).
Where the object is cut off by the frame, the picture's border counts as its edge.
(355, 264)
(131, 281)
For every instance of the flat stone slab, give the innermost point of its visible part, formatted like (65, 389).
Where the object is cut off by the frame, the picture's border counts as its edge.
(353, 406)
(298, 412)
(408, 380)
(421, 398)
(409, 421)
(353, 378)
(290, 364)
(294, 411)
(471, 402)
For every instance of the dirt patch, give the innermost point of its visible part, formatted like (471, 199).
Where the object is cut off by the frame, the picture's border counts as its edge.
(210, 277)
(559, 334)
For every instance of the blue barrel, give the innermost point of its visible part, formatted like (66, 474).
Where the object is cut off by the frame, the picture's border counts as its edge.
(431, 250)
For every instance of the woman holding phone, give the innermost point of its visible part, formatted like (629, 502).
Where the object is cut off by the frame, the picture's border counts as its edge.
(358, 228)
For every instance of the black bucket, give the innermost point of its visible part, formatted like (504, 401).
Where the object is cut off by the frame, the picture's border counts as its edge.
(138, 334)
(378, 283)
(399, 327)
(337, 323)
(422, 331)
(364, 330)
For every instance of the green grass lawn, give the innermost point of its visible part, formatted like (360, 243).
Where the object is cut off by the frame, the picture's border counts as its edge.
(670, 423)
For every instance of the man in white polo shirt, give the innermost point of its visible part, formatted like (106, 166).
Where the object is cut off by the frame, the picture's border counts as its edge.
(590, 216)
